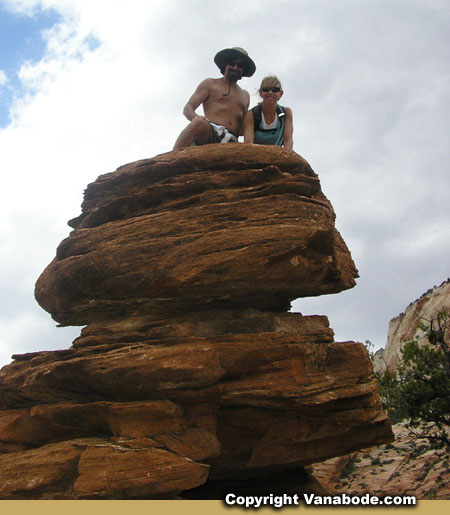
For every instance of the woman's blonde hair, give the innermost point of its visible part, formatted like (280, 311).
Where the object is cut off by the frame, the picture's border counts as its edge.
(270, 81)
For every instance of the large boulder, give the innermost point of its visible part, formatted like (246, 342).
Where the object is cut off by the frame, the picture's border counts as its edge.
(220, 226)
(190, 370)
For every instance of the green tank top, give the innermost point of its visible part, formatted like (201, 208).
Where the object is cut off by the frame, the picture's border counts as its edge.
(273, 136)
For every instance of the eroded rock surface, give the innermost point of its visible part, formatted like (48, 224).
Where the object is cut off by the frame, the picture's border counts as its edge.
(406, 467)
(190, 370)
(194, 229)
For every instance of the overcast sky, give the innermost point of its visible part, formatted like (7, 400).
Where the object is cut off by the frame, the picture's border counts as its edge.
(89, 85)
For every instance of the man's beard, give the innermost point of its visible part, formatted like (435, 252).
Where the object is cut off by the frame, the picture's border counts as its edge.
(234, 76)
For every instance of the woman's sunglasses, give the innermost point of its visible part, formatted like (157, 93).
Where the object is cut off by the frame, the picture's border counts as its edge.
(274, 89)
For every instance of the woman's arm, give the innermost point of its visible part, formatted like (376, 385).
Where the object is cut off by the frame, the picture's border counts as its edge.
(249, 127)
(288, 129)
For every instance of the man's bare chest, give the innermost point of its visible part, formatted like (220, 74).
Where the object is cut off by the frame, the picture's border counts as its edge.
(226, 99)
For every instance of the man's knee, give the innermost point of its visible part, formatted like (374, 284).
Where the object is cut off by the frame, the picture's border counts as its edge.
(200, 130)
(199, 125)
(197, 131)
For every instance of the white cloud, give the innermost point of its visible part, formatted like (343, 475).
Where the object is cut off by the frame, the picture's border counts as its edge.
(3, 78)
(368, 84)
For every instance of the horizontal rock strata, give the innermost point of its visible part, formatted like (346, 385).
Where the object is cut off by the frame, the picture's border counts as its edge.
(190, 370)
(234, 227)
(239, 405)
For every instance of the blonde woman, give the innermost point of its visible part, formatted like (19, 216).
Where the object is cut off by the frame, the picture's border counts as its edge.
(269, 123)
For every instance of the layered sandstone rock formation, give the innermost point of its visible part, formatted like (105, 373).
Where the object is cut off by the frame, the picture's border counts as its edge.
(190, 369)
(405, 327)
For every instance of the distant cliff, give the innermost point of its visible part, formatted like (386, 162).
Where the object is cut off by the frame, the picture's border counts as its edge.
(404, 327)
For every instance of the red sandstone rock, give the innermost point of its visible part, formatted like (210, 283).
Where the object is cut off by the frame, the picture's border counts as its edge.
(96, 469)
(241, 226)
(241, 404)
(188, 370)
(108, 470)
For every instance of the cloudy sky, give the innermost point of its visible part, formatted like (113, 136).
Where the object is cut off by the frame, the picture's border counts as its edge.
(89, 85)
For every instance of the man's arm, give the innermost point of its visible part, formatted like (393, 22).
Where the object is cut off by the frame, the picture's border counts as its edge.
(244, 111)
(249, 128)
(200, 95)
(288, 130)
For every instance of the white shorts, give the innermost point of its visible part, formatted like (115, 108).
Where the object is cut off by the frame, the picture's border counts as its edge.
(220, 134)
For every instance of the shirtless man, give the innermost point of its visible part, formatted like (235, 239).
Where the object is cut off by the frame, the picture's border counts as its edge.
(224, 102)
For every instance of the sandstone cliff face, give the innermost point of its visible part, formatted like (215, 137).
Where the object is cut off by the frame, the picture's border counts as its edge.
(189, 369)
(404, 327)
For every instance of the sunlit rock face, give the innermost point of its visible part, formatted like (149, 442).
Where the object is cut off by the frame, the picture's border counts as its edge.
(231, 226)
(190, 370)
(406, 326)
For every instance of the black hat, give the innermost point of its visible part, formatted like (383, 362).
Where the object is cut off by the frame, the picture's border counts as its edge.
(235, 53)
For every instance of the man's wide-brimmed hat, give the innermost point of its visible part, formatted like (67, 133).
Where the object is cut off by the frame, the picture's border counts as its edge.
(235, 53)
